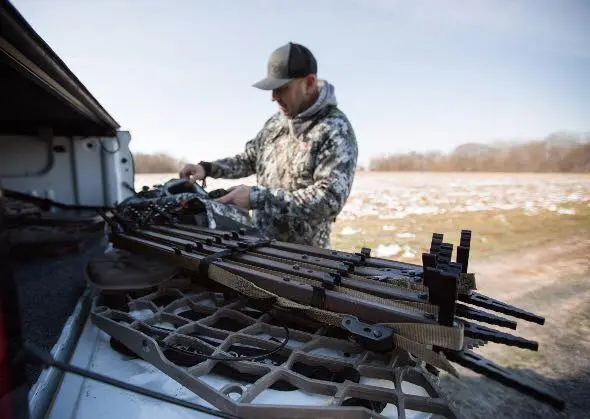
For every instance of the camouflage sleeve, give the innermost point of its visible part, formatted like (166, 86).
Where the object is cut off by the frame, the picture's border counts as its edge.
(333, 176)
(239, 166)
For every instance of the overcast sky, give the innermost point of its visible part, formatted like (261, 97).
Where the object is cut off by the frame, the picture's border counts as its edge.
(411, 75)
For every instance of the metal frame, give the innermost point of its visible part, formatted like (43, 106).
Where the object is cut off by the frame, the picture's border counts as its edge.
(44, 390)
(142, 338)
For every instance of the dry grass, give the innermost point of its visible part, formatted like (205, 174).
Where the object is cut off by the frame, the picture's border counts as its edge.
(493, 232)
(561, 365)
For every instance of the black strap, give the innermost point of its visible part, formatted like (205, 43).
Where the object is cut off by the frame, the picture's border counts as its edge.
(37, 356)
(232, 250)
(318, 298)
(46, 204)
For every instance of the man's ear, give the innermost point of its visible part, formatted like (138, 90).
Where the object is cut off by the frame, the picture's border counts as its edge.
(309, 83)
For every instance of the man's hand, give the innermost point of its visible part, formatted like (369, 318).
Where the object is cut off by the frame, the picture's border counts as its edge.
(192, 172)
(238, 195)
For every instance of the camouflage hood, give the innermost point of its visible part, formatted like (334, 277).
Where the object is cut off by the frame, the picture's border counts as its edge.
(302, 122)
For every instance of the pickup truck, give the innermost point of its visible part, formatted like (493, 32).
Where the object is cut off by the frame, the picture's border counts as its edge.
(63, 152)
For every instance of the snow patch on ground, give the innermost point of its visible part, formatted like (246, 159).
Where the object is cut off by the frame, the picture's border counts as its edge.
(405, 235)
(566, 211)
(348, 231)
(390, 197)
(387, 250)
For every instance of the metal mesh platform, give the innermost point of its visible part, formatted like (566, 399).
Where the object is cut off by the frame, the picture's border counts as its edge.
(316, 373)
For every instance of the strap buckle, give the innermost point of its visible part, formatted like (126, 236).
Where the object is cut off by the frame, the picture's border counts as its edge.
(372, 337)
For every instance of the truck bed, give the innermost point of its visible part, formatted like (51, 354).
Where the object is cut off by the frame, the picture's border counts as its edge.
(48, 290)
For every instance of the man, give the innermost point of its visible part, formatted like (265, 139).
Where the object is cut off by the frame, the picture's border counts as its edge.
(304, 157)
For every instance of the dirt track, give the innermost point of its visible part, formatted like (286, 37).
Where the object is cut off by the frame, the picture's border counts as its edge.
(552, 281)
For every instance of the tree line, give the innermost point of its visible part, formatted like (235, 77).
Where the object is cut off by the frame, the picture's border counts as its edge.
(534, 156)
(557, 153)
(156, 163)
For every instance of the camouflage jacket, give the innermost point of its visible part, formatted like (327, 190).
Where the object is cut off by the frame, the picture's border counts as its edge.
(304, 167)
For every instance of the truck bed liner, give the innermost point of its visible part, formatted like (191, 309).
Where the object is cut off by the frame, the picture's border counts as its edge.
(48, 290)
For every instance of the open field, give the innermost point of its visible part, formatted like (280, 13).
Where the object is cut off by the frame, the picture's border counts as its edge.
(530, 247)
(395, 214)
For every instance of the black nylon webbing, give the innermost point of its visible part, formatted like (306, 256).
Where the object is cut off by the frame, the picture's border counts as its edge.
(232, 250)
(318, 298)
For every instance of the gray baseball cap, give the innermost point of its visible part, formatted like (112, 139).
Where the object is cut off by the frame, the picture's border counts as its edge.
(286, 63)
